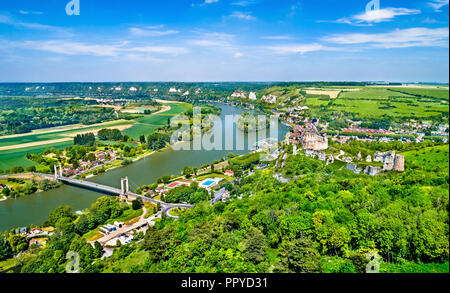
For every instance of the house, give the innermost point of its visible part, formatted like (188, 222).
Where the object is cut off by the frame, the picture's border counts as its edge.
(36, 231)
(83, 164)
(239, 94)
(39, 242)
(229, 173)
(270, 99)
(252, 96)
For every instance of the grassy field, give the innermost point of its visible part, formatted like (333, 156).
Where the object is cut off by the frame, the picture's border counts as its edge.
(428, 158)
(12, 158)
(148, 124)
(52, 134)
(126, 265)
(433, 93)
(414, 268)
(371, 102)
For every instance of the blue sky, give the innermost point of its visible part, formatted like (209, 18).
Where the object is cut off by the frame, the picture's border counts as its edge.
(224, 40)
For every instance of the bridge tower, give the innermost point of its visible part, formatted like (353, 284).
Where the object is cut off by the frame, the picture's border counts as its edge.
(60, 172)
(56, 172)
(124, 185)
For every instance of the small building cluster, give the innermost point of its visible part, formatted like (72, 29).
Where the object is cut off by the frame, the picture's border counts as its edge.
(269, 99)
(308, 137)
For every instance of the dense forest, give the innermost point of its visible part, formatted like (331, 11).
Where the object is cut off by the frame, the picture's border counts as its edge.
(325, 220)
(22, 115)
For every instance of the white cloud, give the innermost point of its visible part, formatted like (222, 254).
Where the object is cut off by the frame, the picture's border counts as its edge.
(112, 50)
(5, 19)
(299, 48)
(211, 1)
(151, 31)
(438, 4)
(238, 55)
(25, 12)
(243, 3)
(400, 38)
(377, 16)
(242, 15)
(275, 38)
(213, 39)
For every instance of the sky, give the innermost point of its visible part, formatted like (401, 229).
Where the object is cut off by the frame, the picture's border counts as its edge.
(224, 40)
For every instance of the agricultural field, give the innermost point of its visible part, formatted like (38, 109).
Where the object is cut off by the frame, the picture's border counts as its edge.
(54, 134)
(14, 148)
(16, 157)
(441, 93)
(148, 124)
(375, 102)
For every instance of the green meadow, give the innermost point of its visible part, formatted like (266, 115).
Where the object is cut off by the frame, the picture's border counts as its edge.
(428, 158)
(51, 135)
(148, 124)
(375, 102)
(440, 93)
(12, 158)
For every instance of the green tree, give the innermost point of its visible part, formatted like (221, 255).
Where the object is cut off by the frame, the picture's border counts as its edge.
(254, 246)
(300, 256)
(137, 204)
(5, 248)
(188, 171)
(60, 213)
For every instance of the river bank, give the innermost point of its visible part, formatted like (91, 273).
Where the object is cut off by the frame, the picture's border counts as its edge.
(34, 209)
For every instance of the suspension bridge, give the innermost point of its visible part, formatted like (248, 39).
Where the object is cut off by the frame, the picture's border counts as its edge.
(123, 192)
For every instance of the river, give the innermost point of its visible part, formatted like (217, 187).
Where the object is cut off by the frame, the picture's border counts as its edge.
(34, 209)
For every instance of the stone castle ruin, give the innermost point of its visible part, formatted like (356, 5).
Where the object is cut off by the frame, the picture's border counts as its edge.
(390, 161)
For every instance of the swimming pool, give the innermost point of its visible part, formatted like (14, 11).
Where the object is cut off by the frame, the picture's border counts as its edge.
(208, 182)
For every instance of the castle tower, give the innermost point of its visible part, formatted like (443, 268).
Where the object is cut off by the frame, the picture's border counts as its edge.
(399, 163)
